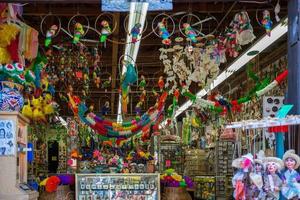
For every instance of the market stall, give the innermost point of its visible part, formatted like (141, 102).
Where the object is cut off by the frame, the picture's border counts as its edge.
(146, 101)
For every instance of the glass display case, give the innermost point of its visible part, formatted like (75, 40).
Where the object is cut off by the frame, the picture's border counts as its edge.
(117, 186)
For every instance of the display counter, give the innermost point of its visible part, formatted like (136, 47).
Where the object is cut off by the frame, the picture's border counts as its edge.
(117, 186)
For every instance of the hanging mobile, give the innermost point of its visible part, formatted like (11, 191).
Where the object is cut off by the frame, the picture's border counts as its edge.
(162, 27)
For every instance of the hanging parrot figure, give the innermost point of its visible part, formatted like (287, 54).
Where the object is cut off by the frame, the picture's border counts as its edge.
(142, 83)
(50, 34)
(106, 83)
(161, 83)
(78, 33)
(105, 31)
(190, 32)
(267, 22)
(135, 31)
(163, 32)
(130, 77)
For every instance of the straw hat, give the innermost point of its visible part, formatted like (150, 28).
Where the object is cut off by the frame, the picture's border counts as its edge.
(237, 163)
(278, 162)
(291, 154)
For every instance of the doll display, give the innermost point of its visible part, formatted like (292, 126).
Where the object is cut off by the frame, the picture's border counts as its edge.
(291, 178)
(272, 181)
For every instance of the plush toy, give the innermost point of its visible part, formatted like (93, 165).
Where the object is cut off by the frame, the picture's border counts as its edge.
(50, 34)
(78, 33)
(189, 32)
(272, 181)
(291, 187)
(163, 32)
(135, 31)
(267, 22)
(105, 31)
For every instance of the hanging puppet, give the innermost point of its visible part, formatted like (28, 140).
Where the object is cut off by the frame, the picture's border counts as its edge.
(50, 34)
(291, 185)
(105, 31)
(78, 32)
(267, 22)
(240, 180)
(272, 181)
(163, 32)
(135, 31)
(256, 178)
(190, 32)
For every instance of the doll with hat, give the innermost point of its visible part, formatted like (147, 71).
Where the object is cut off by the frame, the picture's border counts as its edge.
(291, 188)
(256, 177)
(241, 181)
(272, 181)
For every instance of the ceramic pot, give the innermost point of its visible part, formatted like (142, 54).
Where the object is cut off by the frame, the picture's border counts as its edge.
(10, 97)
(176, 193)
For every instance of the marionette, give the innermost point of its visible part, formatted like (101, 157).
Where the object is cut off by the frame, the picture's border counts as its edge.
(272, 181)
(291, 185)
(256, 178)
(241, 180)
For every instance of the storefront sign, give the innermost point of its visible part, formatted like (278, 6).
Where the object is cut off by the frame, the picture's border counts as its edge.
(7, 138)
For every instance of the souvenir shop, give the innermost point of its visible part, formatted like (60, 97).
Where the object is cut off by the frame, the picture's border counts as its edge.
(149, 100)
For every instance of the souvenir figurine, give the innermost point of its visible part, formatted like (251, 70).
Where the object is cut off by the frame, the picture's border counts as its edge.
(272, 181)
(105, 31)
(291, 187)
(135, 31)
(78, 33)
(50, 34)
(163, 32)
(267, 22)
(189, 32)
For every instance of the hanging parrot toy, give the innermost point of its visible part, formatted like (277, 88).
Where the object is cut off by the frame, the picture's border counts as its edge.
(78, 33)
(105, 31)
(163, 32)
(189, 32)
(161, 83)
(50, 34)
(142, 83)
(135, 31)
(267, 22)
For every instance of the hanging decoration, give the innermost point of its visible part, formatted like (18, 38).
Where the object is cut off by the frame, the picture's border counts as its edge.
(105, 31)
(50, 34)
(135, 32)
(266, 22)
(78, 33)
(112, 129)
